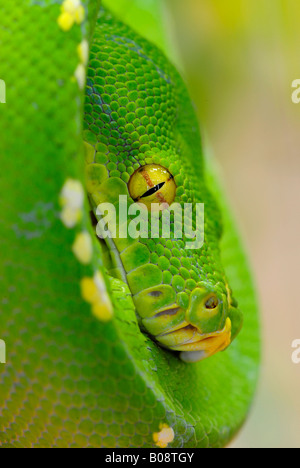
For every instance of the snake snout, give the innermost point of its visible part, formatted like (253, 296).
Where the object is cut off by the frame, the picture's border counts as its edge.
(199, 331)
(207, 310)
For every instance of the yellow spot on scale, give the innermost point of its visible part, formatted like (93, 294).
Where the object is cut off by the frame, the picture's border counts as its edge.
(72, 200)
(72, 11)
(83, 248)
(80, 75)
(65, 21)
(80, 72)
(164, 437)
(94, 292)
(83, 52)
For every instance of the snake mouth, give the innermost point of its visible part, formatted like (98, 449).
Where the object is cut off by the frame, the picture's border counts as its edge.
(195, 346)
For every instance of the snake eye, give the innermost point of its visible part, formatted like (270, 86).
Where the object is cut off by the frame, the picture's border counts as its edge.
(152, 184)
(212, 303)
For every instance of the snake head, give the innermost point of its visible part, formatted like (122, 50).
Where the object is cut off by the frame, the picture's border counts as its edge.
(212, 321)
(145, 151)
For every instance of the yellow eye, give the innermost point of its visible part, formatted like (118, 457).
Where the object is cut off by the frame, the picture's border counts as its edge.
(152, 184)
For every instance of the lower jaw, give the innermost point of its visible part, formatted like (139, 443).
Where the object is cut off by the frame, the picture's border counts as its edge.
(203, 345)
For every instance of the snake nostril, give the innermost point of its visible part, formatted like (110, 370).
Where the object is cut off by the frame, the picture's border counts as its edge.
(212, 303)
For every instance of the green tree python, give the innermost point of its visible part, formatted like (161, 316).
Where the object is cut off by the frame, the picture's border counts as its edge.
(119, 342)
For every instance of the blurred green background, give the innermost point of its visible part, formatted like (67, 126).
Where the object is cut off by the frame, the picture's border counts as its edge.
(239, 58)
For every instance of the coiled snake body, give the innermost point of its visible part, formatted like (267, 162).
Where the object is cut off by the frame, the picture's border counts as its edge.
(93, 331)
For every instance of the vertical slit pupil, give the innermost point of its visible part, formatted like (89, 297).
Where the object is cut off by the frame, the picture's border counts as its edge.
(153, 190)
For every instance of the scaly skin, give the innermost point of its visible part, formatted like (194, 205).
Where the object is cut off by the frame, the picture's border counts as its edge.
(79, 371)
